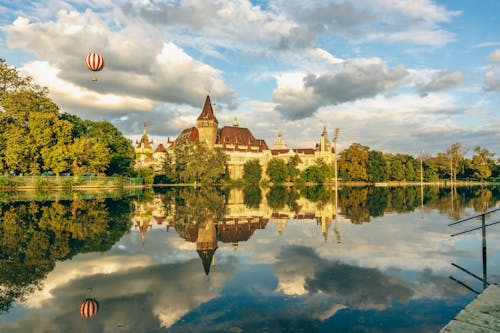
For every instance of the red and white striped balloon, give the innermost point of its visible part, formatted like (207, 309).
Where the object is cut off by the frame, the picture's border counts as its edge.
(89, 308)
(94, 61)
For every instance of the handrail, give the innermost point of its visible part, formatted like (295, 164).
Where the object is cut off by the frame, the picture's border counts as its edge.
(474, 216)
(483, 228)
(476, 228)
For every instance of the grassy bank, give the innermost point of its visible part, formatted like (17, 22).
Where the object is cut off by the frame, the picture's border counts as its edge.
(66, 182)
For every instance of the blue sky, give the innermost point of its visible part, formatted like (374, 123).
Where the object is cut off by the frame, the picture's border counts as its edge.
(395, 75)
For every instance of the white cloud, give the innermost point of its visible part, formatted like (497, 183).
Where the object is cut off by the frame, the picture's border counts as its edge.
(492, 81)
(69, 96)
(381, 20)
(137, 61)
(440, 80)
(353, 79)
(494, 57)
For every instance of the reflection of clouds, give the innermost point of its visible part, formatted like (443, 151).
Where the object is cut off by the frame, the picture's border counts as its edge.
(434, 286)
(91, 264)
(357, 287)
(138, 299)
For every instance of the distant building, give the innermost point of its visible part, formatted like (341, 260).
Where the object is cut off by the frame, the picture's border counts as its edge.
(237, 142)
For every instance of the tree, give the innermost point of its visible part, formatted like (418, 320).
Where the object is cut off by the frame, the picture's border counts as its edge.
(291, 165)
(57, 158)
(252, 171)
(89, 156)
(122, 154)
(194, 162)
(277, 170)
(352, 163)
(318, 173)
(456, 154)
(376, 166)
(32, 130)
(482, 162)
(11, 81)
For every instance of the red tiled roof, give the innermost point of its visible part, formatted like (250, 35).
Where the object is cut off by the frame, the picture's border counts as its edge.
(279, 151)
(233, 135)
(189, 134)
(207, 113)
(307, 151)
(160, 149)
(159, 219)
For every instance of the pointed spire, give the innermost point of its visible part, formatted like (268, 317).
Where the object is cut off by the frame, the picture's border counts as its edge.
(207, 113)
(324, 130)
(235, 122)
(144, 130)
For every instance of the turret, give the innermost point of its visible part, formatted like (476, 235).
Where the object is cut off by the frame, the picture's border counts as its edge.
(207, 124)
(324, 145)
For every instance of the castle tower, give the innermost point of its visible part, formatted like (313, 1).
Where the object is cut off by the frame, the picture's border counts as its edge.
(207, 124)
(279, 143)
(206, 244)
(143, 149)
(324, 144)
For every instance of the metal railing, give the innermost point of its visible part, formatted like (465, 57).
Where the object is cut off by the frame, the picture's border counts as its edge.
(484, 278)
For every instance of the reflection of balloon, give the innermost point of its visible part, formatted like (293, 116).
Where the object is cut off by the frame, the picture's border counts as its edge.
(94, 61)
(89, 308)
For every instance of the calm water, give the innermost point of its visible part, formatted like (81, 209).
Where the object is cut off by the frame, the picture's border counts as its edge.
(244, 260)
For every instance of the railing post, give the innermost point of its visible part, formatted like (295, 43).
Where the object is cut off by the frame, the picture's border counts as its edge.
(485, 280)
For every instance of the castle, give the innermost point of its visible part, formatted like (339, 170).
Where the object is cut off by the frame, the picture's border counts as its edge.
(237, 142)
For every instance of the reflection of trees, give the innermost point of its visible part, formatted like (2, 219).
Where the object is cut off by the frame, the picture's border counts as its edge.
(404, 199)
(482, 199)
(358, 204)
(353, 203)
(252, 196)
(196, 206)
(279, 196)
(33, 236)
(320, 195)
(377, 201)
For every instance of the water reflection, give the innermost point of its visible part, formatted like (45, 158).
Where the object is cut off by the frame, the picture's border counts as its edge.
(232, 215)
(34, 235)
(240, 260)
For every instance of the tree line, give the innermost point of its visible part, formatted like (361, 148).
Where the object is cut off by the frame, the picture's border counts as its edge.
(36, 138)
(195, 163)
(360, 163)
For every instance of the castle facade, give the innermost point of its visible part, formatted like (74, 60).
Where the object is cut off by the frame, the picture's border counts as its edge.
(237, 142)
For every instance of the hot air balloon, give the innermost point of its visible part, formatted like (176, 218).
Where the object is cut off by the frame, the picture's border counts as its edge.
(89, 308)
(94, 62)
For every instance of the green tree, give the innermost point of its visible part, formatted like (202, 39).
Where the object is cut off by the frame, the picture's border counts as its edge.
(318, 173)
(277, 170)
(147, 175)
(252, 172)
(293, 171)
(482, 162)
(32, 129)
(122, 152)
(57, 158)
(397, 170)
(89, 156)
(194, 162)
(456, 154)
(376, 166)
(353, 162)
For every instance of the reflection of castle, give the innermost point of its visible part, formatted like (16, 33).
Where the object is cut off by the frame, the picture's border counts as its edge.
(238, 225)
(237, 142)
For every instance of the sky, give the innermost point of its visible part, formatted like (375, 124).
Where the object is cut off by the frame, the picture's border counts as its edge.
(394, 75)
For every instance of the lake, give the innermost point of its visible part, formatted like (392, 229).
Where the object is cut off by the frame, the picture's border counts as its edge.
(376, 259)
